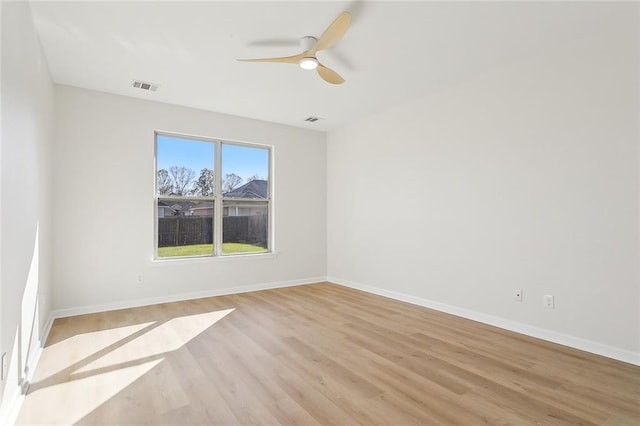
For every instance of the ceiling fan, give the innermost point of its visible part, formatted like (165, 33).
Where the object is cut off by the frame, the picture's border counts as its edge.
(310, 45)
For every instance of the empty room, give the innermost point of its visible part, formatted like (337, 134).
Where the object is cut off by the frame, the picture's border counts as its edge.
(325, 212)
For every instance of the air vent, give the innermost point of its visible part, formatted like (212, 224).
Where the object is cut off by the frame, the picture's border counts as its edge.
(311, 119)
(145, 86)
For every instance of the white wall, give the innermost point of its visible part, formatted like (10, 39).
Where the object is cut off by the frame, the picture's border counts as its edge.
(526, 176)
(104, 211)
(25, 255)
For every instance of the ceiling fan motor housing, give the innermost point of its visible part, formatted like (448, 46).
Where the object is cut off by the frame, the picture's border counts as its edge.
(307, 43)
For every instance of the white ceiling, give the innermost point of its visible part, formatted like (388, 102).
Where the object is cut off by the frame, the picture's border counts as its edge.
(393, 51)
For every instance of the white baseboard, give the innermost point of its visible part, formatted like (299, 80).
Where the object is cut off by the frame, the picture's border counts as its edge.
(529, 330)
(124, 304)
(45, 332)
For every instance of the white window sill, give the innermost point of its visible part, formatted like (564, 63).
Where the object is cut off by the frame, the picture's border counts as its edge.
(222, 258)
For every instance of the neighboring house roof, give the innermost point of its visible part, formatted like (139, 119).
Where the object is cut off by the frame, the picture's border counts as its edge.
(164, 205)
(254, 189)
(175, 204)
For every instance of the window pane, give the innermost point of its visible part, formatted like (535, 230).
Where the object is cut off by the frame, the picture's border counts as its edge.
(185, 227)
(245, 171)
(187, 188)
(245, 226)
(185, 167)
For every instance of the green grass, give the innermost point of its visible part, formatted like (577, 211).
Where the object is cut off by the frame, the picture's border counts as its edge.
(207, 249)
(230, 248)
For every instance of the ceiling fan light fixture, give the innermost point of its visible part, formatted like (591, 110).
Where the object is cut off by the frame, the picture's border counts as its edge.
(308, 63)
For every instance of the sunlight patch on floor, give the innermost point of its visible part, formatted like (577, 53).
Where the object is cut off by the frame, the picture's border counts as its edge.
(79, 347)
(79, 374)
(158, 340)
(69, 402)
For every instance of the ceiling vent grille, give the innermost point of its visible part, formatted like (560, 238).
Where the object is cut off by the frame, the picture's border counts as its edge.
(145, 86)
(311, 119)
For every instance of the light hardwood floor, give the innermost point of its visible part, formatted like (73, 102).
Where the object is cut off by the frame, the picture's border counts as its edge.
(316, 354)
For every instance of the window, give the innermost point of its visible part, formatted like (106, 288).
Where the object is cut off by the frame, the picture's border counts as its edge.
(212, 197)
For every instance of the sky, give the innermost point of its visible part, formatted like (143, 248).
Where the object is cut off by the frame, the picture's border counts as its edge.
(196, 155)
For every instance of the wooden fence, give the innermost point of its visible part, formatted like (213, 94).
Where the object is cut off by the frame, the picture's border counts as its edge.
(188, 230)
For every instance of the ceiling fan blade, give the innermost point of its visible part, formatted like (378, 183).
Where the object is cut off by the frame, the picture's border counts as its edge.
(275, 42)
(329, 75)
(334, 32)
(287, 59)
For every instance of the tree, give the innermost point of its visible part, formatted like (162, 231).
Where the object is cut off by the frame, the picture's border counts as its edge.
(183, 180)
(204, 184)
(254, 177)
(231, 182)
(165, 183)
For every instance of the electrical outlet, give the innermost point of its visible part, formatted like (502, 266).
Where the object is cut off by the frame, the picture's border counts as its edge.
(548, 301)
(139, 278)
(518, 295)
(5, 366)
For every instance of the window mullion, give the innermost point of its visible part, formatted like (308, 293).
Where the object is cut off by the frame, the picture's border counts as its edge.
(217, 211)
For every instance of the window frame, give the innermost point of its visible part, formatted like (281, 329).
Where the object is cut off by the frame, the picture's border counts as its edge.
(217, 199)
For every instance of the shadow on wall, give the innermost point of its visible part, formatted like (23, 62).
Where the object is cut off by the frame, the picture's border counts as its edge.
(27, 340)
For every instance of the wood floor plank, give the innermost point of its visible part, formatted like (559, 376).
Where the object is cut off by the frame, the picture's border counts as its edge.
(316, 354)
